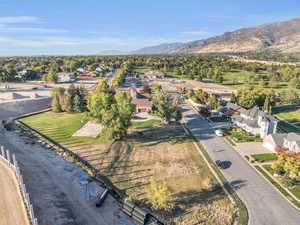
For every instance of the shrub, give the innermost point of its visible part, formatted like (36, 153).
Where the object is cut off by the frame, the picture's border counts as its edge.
(160, 195)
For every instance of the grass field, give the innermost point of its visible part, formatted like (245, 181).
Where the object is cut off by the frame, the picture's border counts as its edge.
(149, 150)
(142, 69)
(290, 113)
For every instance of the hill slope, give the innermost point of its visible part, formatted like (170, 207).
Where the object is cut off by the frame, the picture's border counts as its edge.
(158, 49)
(282, 36)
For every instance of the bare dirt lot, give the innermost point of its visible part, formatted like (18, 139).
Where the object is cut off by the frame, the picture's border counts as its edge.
(12, 208)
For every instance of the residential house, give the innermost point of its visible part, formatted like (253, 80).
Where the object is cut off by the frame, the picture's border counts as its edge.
(65, 77)
(152, 75)
(289, 141)
(142, 104)
(256, 122)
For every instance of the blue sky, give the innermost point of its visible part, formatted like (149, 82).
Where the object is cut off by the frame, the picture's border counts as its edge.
(35, 27)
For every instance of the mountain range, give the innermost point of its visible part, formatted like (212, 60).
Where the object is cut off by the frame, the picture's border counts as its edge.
(280, 36)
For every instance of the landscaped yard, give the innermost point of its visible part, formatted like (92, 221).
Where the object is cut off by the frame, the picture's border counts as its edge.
(295, 189)
(265, 157)
(220, 119)
(149, 151)
(291, 113)
(239, 135)
(285, 127)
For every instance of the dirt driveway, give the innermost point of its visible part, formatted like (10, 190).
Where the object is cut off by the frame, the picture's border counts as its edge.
(12, 208)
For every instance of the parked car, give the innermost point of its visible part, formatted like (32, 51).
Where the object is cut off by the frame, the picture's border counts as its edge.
(223, 164)
(219, 133)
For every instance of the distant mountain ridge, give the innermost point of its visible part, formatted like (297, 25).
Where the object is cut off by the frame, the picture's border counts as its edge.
(280, 36)
(158, 49)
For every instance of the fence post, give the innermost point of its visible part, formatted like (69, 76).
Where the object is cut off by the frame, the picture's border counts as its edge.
(8, 156)
(2, 152)
(14, 160)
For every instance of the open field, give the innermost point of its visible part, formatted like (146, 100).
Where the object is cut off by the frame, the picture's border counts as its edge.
(12, 208)
(149, 151)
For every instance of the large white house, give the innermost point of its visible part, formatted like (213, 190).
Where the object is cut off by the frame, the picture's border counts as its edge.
(289, 141)
(256, 122)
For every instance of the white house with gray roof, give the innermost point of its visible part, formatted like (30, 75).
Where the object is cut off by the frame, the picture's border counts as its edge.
(256, 122)
(290, 141)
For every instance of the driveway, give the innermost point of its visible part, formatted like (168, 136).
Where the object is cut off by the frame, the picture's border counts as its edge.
(265, 205)
(251, 148)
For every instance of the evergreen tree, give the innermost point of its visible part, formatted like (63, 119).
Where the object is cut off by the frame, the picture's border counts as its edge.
(55, 104)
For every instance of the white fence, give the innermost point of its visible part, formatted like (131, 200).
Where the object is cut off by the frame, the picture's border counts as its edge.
(11, 161)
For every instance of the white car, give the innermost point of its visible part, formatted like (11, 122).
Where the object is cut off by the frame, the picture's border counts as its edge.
(219, 133)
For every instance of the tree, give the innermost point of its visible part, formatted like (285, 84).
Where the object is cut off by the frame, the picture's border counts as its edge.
(268, 105)
(58, 91)
(55, 104)
(213, 102)
(160, 195)
(166, 107)
(113, 110)
(51, 76)
(66, 103)
(71, 90)
(77, 104)
(233, 98)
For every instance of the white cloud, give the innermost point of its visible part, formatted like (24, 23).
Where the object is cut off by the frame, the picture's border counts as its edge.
(6, 29)
(18, 19)
(198, 33)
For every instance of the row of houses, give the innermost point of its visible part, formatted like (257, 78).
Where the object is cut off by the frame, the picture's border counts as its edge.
(264, 125)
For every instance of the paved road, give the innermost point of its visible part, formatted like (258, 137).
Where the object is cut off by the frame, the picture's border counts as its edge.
(265, 205)
(12, 208)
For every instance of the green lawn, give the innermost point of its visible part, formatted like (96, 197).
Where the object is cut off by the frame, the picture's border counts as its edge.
(220, 119)
(60, 127)
(287, 128)
(265, 157)
(239, 135)
(145, 123)
(291, 113)
(142, 69)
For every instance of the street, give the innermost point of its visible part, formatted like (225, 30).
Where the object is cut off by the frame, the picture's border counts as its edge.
(265, 205)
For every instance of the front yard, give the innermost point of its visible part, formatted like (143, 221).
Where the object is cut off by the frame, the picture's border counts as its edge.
(267, 157)
(150, 150)
(238, 135)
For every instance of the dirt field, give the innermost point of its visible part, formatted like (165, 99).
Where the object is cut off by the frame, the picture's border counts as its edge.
(224, 91)
(12, 208)
(151, 151)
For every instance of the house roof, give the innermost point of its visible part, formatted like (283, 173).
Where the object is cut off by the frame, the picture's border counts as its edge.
(255, 112)
(275, 139)
(233, 106)
(142, 102)
(293, 137)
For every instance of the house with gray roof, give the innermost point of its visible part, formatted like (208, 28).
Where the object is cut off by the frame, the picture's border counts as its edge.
(256, 122)
(289, 141)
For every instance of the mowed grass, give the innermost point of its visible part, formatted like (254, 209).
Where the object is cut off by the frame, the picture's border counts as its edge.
(150, 150)
(142, 69)
(60, 127)
(265, 157)
(290, 113)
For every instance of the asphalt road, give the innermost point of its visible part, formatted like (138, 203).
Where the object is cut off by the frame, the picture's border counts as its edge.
(265, 205)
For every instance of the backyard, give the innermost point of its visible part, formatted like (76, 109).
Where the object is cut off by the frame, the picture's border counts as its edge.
(290, 113)
(150, 150)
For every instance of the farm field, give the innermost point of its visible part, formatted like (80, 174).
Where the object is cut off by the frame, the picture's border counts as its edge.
(12, 208)
(149, 151)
